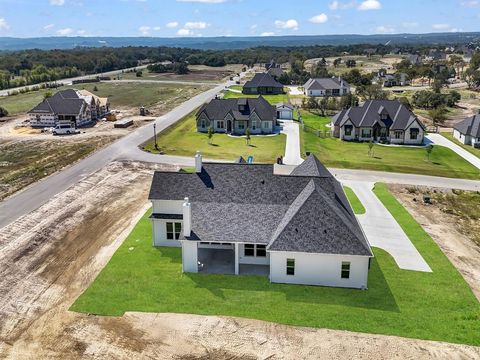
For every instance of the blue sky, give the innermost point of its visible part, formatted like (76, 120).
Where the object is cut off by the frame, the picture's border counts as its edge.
(171, 18)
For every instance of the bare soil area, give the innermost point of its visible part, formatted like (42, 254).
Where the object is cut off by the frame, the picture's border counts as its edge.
(49, 257)
(447, 229)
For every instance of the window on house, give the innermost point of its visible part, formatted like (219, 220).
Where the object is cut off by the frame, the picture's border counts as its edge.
(266, 124)
(220, 124)
(366, 133)
(414, 134)
(398, 134)
(241, 125)
(261, 251)
(348, 130)
(249, 250)
(254, 125)
(345, 269)
(203, 123)
(290, 266)
(173, 230)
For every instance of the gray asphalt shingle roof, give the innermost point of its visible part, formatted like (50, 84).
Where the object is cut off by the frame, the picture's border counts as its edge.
(306, 211)
(369, 114)
(470, 126)
(324, 83)
(217, 109)
(263, 80)
(64, 102)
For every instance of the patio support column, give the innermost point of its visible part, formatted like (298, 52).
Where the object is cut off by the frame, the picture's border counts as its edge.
(237, 265)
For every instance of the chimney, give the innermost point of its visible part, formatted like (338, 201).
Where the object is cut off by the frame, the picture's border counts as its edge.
(187, 217)
(198, 162)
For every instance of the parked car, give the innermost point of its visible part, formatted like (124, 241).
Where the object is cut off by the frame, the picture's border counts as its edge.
(64, 130)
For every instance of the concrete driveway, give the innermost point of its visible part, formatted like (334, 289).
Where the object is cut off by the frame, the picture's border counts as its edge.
(383, 231)
(438, 139)
(292, 147)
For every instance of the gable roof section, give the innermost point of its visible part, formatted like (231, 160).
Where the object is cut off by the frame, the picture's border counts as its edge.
(263, 80)
(217, 109)
(249, 203)
(64, 102)
(470, 126)
(324, 83)
(311, 167)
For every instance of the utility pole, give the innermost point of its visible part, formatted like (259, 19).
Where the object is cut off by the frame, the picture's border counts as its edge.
(155, 135)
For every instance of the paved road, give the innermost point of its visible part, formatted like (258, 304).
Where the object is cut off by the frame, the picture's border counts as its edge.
(69, 80)
(438, 139)
(292, 148)
(383, 231)
(125, 148)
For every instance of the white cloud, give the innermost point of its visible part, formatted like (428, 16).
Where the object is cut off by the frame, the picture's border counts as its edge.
(267, 33)
(172, 24)
(289, 24)
(3, 24)
(65, 32)
(253, 27)
(196, 25)
(370, 5)
(319, 19)
(157, 28)
(441, 26)
(338, 5)
(81, 32)
(144, 30)
(204, 1)
(184, 32)
(48, 27)
(409, 25)
(471, 4)
(57, 2)
(384, 29)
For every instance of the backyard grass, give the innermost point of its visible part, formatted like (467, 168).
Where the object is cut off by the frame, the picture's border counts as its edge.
(120, 95)
(469, 148)
(336, 153)
(354, 201)
(315, 121)
(435, 306)
(184, 140)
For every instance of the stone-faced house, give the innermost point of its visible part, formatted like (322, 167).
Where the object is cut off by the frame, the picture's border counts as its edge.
(335, 86)
(377, 120)
(234, 116)
(468, 131)
(263, 84)
(239, 218)
(69, 107)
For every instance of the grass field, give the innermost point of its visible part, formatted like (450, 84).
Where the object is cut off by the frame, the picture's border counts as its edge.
(315, 121)
(120, 95)
(354, 201)
(183, 139)
(353, 155)
(469, 148)
(435, 306)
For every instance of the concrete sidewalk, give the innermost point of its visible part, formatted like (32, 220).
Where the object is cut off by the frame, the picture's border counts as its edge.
(383, 231)
(292, 148)
(438, 139)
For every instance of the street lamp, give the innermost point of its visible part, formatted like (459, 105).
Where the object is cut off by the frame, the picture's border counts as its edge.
(155, 135)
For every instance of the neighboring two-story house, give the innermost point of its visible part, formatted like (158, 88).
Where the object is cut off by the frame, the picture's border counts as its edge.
(234, 116)
(379, 120)
(263, 84)
(335, 86)
(468, 131)
(69, 107)
(236, 218)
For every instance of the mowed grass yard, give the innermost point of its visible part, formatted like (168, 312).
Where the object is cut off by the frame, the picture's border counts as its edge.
(357, 206)
(120, 95)
(336, 153)
(469, 148)
(184, 140)
(435, 306)
(315, 121)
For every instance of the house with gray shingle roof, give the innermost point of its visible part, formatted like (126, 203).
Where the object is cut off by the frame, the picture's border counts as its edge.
(234, 116)
(379, 120)
(468, 131)
(240, 218)
(263, 84)
(334, 86)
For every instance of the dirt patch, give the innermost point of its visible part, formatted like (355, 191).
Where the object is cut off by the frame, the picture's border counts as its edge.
(447, 228)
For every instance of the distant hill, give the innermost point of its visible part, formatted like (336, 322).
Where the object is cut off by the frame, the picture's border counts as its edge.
(10, 43)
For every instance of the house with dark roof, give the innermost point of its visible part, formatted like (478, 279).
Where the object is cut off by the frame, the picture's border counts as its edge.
(414, 59)
(240, 218)
(334, 86)
(263, 84)
(234, 116)
(468, 131)
(379, 120)
(68, 107)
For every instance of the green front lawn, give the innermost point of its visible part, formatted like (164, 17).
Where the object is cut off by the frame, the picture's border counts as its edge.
(315, 121)
(354, 201)
(435, 306)
(184, 140)
(336, 153)
(469, 148)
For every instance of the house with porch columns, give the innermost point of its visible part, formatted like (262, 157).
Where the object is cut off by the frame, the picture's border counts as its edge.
(239, 218)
